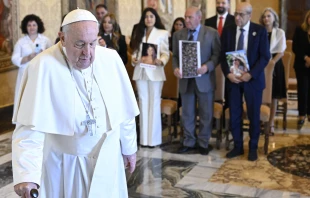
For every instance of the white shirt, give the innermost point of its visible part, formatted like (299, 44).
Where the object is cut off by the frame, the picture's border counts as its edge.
(224, 19)
(25, 46)
(245, 36)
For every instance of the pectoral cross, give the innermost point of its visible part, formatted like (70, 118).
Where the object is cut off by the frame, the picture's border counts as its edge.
(88, 123)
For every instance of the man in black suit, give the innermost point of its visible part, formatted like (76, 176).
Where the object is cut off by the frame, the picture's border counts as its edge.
(219, 21)
(101, 11)
(252, 38)
(222, 7)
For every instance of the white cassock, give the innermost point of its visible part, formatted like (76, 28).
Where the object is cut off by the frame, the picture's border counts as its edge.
(51, 146)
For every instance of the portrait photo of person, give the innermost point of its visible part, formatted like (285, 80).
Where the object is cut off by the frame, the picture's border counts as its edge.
(149, 53)
(238, 67)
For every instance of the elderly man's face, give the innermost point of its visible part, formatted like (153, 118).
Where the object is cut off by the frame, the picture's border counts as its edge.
(242, 17)
(192, 20)
(100, 13)
(80, 43)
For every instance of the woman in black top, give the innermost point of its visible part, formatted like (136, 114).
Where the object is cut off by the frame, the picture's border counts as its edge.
(277, 41)
(111, 37)
(178, 24)
(301, 48)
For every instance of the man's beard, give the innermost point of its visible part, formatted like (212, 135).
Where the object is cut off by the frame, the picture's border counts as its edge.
(220, 10)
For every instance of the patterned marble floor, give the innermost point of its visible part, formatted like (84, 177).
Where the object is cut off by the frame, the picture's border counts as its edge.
(162, 173)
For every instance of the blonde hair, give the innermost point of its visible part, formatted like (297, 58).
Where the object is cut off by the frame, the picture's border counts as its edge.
(275, 15)
(305, 25)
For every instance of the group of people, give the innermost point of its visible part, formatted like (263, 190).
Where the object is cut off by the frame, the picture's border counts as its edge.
(53, 125)
(264, 45)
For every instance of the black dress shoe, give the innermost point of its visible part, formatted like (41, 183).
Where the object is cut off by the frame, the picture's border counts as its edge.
(205, 151)
(184, 149)
(234, 153)
(252, 156)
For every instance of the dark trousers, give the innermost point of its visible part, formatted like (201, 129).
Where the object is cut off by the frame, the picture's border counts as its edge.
(205, 112)
(253, 100)
(303, 92)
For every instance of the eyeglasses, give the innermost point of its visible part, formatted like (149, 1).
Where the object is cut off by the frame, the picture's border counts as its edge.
(240, 14)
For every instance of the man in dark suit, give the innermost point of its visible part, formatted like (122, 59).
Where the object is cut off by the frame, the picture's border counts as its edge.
(101, 11)
(253, 39)
(222, 18)
(219, 21)
(201, 88)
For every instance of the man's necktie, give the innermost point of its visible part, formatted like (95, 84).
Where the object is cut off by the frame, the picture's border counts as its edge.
(220, 26)
(240, 41)
(191, 35)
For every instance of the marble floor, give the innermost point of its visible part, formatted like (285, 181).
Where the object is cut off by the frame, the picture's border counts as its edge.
(160, 172)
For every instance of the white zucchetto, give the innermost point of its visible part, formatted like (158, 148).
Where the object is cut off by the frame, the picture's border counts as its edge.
(78, 15)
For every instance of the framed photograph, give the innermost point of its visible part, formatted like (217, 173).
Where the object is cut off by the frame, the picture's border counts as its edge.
(237, 62)
(201, 4)
(149, 54)
(189, 58)
(164, 9)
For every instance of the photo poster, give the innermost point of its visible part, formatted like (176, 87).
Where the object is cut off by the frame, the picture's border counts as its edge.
(189, 58)
(150, 52)
(237, 62)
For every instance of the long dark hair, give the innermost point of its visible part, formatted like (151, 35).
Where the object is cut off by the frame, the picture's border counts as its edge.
(115, 32)
(154, 55)
(139, 30)
(176, 20)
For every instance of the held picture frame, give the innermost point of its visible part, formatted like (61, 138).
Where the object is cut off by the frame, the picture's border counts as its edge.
(189, 58)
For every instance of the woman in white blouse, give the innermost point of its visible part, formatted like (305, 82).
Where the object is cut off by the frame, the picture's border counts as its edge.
(29, 45)
(149, 81)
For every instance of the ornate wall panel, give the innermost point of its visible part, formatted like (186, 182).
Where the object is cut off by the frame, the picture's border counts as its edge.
(129, 13)
(49, 11)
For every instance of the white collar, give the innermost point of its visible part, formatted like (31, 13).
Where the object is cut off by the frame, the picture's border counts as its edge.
(223, 15)
(246, 27)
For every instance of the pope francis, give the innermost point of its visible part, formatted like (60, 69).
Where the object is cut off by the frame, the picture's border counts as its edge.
(75, 118)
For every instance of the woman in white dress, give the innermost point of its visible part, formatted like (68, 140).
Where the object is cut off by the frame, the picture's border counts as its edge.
(27, 47)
